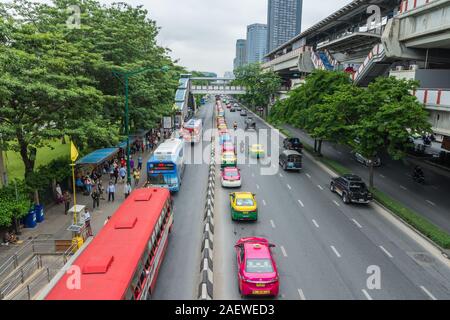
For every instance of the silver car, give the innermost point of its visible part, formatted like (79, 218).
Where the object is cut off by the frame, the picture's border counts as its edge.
(361, 159)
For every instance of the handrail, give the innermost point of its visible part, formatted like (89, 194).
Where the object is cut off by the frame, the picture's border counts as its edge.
(13, 260)
(377, 52)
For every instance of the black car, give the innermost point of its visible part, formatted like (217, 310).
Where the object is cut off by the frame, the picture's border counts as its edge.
(232, 109)
(293, 144)
(351, 188)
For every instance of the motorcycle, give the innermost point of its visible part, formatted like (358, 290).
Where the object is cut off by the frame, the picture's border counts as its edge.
(419, 178)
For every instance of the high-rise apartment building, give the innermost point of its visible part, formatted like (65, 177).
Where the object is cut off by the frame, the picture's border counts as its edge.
(241, 53)
(284, 21)
(256, 42)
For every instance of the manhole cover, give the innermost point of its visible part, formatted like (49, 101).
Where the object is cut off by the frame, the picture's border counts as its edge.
(422, 258)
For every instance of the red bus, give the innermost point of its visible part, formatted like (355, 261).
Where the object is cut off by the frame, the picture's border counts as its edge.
(123, 260)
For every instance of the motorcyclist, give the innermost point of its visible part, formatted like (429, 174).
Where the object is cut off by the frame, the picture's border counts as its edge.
(418, 172)
(235, 125)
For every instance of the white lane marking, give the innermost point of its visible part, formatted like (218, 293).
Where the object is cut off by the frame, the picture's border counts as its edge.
(315, 223)
(404, 188)
(335, 251)
(387, 252)
(432, 203)
(281, 176)
(264, 203)
(257, 186)
(273, 224)
(357, 223)
(308, 175)
(428, 293)
(301, 203)
(366, 294)
(302, 296)
(435, 187)
(283, 251)
(289, 187)
(320, 187)
(336, 203)
(382, 176)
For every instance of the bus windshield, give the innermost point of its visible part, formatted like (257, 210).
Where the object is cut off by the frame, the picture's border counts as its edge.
(162, 179)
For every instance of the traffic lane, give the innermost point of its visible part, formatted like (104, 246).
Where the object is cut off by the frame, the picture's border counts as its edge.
(401, 288)
(179, 274)
(394, 178)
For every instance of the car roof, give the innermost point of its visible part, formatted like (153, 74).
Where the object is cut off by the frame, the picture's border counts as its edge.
(291, 153)
(244, 195)
(352, 177)
(257, 145)
(257, 250)
(228, 153)
(231, 169)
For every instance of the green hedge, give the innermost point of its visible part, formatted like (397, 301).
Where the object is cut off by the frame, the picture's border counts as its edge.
(427, 228)
(12, 206)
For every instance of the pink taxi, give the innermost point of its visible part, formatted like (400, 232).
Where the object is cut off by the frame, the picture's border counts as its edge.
(231, 177)
(258, 274)
(228, 147)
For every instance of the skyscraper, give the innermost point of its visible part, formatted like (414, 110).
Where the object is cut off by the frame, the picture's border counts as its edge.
(256, 42)
(284, 21)
(241, 53)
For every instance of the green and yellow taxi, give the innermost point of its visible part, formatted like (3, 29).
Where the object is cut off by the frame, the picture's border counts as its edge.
(257, 151)
(229, 159)
(243, 206)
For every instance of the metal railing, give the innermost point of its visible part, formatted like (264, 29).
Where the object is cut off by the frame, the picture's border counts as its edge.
(408, 5)
(20, 274)
(438, 98)
(375, 55)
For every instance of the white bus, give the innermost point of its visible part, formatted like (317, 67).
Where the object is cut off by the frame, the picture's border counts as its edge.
(166, 167)
(193, 130)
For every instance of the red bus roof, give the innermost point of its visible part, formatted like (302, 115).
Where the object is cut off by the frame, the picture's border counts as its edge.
(110, 260)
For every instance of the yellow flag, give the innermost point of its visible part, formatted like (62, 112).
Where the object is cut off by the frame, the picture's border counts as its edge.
(73, 152)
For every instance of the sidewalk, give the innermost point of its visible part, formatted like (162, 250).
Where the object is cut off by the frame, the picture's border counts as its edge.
(56, 222)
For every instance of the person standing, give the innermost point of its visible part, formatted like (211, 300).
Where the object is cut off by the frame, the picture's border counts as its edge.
(111, 191)
(127, 189)
(95, 198)
(100, 189)
(139, 163)
(116, 174)
(59, 194)
(137, 176)
(87, 222)
(132, 164)
(67, 200)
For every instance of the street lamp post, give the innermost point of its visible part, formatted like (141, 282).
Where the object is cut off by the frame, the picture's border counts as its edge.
(126, 76)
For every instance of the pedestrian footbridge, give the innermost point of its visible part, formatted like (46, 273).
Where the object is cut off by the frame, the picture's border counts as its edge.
(218, 89)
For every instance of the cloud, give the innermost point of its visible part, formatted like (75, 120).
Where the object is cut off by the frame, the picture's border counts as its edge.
(203, 33)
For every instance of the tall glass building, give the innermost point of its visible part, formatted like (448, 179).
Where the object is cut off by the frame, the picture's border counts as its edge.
(256, 42)
(284, 21)
(241, 53)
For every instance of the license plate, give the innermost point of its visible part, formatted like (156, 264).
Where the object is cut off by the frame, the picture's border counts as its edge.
(260, 285)
(361, 200)
(260, 292)
(244, 212)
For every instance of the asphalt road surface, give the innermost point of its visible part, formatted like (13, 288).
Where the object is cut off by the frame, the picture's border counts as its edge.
(324, 249)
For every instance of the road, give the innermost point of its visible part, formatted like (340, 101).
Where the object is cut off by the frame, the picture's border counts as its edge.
(179, 273)
(323, 247)
(395, 179)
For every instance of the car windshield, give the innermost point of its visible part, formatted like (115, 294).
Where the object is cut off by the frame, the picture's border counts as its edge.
(259, 266)
(295, 141)
(358, 187)
(244, 202)
(228, 156)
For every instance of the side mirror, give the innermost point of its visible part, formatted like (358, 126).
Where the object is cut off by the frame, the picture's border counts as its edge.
(254, 195)
(271, 245)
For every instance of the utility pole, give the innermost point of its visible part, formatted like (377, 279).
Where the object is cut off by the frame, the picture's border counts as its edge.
(3, 174)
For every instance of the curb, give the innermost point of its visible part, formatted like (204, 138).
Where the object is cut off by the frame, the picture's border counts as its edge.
(206, 280)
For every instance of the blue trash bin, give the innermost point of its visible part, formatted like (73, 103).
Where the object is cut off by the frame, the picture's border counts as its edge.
(39, 209)
(30, 219)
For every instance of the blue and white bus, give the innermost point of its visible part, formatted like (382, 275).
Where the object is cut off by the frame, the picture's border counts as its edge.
(166, 167)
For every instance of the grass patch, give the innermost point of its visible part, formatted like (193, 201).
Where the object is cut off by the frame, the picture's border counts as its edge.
(427, 228)
(16, 168)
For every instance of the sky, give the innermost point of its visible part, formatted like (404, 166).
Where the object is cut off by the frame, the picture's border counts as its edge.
(202, 34)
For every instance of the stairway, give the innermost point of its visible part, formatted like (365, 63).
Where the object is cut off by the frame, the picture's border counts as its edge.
(326, 62)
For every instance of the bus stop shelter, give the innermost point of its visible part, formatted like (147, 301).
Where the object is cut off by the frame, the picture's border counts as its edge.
(91, 161)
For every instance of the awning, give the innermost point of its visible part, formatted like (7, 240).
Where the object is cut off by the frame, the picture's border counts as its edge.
(98, 156)
(123, 145)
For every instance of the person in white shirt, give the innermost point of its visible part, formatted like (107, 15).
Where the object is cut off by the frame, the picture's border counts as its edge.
(127, 189)
(111, 191)
(87, 221)
(59, 194)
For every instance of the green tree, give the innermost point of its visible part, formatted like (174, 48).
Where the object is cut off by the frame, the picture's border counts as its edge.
(261, 85)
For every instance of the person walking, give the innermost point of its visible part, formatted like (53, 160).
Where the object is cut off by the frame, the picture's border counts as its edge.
(67, 200)
(137, 176)
(123, 174)
(116, 174)
(127, 189)
(87, 221)
(139, 163)
(132, 164)
(111, 191)
(95, 198)
(101, 190)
